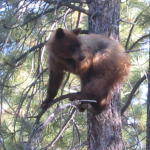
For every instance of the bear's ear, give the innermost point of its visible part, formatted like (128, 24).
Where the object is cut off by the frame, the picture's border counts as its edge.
(60, 33)
(77, 31)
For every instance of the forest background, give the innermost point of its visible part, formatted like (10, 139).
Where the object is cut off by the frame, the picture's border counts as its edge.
(25, 26)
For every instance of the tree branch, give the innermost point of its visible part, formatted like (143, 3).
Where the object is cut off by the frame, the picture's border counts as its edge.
(76, 8)
(76, 97)
(141, 38)
(42, 111)
(57, 137)
(29, 51)
(38, 128)
(68, 4)
(78, 18)
(131, 30)
(136, 86)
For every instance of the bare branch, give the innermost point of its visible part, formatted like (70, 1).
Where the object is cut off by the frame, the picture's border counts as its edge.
(136, 86)
(133, 23)
(136, 42)
(71, 96)
(38, 128)
(131, 30)
(42, 111)
(135, 50)
(29, 51)
(78, 18)
(73, 7)
(57, 137)
(77, 8)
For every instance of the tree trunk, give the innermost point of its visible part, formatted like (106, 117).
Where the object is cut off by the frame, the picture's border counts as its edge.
(148, 106)
(104, 130)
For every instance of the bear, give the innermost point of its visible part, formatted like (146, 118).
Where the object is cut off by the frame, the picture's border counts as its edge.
(100, 63)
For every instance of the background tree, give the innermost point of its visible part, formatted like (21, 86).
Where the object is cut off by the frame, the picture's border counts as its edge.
(148, 106)
(25, 26)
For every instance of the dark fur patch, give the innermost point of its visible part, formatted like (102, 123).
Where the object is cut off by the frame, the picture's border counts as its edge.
(70, 62)
(60, 33)
(103, 45)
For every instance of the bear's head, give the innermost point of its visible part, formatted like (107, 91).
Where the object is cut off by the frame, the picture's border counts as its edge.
(66, 46)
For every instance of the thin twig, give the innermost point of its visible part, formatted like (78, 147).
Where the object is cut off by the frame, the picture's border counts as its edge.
(57, 137)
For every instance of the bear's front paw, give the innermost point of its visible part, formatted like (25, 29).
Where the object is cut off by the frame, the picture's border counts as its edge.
(82, 107)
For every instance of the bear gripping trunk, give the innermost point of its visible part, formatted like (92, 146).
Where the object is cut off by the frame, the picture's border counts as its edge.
(104, 130)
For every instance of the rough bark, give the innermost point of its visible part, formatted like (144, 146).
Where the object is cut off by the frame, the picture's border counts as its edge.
(104, 130)
(148, 107)
(104, 17)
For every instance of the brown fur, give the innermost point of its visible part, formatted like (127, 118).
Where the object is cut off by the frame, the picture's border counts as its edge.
(100, 62)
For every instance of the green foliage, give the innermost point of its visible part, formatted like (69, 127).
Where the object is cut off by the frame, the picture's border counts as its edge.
(135, 14)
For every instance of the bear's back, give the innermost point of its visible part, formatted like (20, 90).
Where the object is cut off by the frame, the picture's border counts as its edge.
(96, 42)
